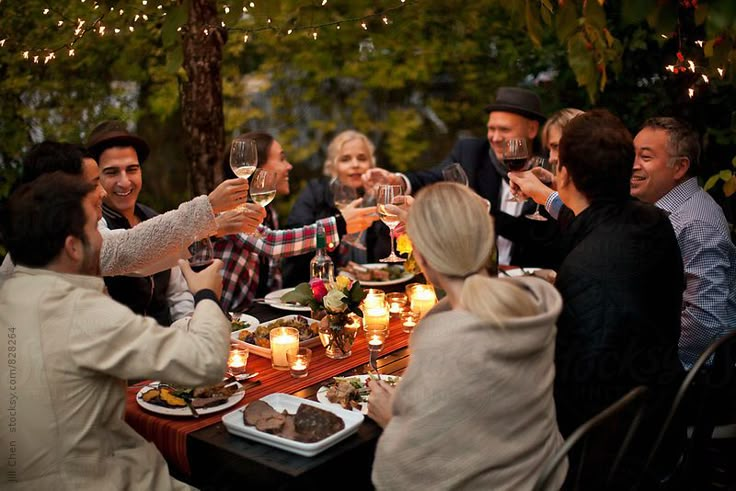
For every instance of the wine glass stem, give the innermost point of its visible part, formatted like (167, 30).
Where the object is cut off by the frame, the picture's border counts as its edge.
(391, 233)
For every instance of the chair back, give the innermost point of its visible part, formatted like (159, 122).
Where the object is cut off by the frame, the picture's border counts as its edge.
(633, 400)
(706, 391)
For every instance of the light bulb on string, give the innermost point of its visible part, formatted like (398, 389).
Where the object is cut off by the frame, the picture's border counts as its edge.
(691, 65)
(246, 38)
(720, 72)
(2, 42)
(71, 51)
(691, 92)
(364, 26)
(699, 43)
(45, 11)
(314, 35)
(227, 9)
(705, 78)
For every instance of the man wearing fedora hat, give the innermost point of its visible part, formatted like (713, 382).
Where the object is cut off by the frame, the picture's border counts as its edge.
(119, 154)
(515, 113)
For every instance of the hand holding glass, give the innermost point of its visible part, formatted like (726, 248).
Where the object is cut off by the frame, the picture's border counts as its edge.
(455, 173)
(202, 254)
(515, 158)
(343, 195)
(544, 164)
(388, 194)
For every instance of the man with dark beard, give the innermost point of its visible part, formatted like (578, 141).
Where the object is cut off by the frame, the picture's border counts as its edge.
(71, 349)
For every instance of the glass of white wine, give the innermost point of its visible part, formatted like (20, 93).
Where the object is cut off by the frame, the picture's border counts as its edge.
(343, 195)
(387, 195)
(243, 158)
(262, 189)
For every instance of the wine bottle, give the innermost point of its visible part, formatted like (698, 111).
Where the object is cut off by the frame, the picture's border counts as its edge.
(321, 265)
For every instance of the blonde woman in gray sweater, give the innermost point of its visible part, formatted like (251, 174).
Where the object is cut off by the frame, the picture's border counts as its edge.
(474, 409)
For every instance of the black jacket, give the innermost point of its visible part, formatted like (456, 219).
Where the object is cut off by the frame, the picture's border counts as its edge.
(535, 242)
(145, 295)
(314, 202)
(621, 286)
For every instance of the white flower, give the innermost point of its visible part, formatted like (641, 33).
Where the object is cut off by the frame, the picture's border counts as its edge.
(335, 301)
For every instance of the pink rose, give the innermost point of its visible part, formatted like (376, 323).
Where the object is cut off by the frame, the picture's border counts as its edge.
(319, 290)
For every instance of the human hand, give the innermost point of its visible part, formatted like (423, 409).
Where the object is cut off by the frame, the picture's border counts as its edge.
(229, 194)
(530, 185)
(241, 220)
(380, 401)
(374, 177)
(358, 219)
(400, 207)
(544, 175)
(209, 278)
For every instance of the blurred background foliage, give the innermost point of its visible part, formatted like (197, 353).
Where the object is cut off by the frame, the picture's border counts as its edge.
(414, 81)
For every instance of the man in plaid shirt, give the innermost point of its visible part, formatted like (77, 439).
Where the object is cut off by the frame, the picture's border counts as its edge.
(246, 257)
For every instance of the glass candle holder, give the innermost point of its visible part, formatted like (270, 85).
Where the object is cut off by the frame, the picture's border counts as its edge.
(376, 317)
(409, 321)
(282, 340)
(396, 303)
(374, 298)
(376, 338)
(298, 360)
(237, 361)
(422, 298)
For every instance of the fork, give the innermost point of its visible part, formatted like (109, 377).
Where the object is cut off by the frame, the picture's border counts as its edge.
(373, 365)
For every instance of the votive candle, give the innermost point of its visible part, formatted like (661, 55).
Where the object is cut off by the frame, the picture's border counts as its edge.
(409, 321)
(376, 317)
(237, 361)
(282, 340)
(396, 303)
(422, 299)
(376, 338)
(299, 361)
(374, 298)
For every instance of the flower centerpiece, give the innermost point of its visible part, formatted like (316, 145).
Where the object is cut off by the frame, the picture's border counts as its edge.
(404, 246)
(332, 302)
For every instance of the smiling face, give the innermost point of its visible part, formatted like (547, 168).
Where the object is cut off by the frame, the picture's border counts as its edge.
(277, 163)
(352, 161)
(502, 126)
(120, 175)
(655, 171)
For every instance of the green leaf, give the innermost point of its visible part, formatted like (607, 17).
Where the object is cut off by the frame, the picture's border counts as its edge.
(594, 14)
(581, 60)
(712, 180)
(174, 19)
(566, 21)
(725, 175)
(174, 59)
(729, 187)
(302, 294)
(534, 23)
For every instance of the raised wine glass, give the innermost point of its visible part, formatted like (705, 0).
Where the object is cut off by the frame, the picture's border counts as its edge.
(202, 254)
(343, 195)
(262, 189)
(544, 164)
(243, 158)
(515, 158)
(387, 194)
(455, 173)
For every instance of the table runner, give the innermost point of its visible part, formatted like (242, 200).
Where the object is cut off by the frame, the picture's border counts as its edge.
(169, 434)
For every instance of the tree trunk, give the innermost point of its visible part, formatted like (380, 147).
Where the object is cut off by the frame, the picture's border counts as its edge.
(201, 96)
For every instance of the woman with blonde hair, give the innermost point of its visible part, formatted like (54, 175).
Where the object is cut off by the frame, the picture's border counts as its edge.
(475, 408)
(349, 155)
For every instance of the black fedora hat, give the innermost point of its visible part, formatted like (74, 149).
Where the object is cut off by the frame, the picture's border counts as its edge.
(109, 134)
(518, 101)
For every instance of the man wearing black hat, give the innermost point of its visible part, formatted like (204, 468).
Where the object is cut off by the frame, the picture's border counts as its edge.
(119, 154)
(516, 113)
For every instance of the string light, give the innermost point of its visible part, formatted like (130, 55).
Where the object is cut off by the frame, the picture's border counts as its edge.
(25, 55)
(60, 23)
(102, 30)
(131, 28)
(45, 11)
(720, 70)
(71, 51)
(2, 42)
(691, 92)
(691, 64)
(314, 35)
(324, 2)
(289, 31)
(705, 78)
(246, 37)
(699, 43)
(227, 9)
(385, 20)
(364, 26)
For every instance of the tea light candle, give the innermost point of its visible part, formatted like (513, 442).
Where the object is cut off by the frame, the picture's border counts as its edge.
(376, 338)
(374, 298)
(396, 302)
(409, 321)
(376, 317)
(282, 340)
(299, 361)
(422, 299)
(237, 361)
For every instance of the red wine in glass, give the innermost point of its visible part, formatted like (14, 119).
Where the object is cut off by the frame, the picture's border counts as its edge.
(516, 165)
(199, 265)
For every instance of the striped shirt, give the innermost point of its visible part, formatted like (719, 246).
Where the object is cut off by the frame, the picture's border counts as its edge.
(241, 255)
(709, 257)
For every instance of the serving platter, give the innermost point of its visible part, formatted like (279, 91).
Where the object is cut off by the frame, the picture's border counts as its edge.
(235, 425)
(405, 276)
(274, 300)
(266, 352)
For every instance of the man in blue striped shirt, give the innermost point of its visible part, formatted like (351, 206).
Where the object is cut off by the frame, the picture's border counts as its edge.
(665, 169)
(665, 166)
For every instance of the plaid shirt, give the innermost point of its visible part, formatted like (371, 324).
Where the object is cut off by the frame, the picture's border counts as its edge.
(709, 257)
(242, 255)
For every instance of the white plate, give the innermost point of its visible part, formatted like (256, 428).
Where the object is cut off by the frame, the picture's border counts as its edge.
(234, 423)
(404, 277)
(183, 411)
(266, 352)
(248, 319)
(322, 392)
(519, 272)
(274, 300)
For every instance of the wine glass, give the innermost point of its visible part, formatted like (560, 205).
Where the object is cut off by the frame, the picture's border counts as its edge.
(202, 254)
(515, 158)
(387, 194)
(343, 195)
(544, 164)
(262, 189)
(243, 158)
(455, 173)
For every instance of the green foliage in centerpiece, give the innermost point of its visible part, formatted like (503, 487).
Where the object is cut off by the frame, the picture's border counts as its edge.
(337, 297)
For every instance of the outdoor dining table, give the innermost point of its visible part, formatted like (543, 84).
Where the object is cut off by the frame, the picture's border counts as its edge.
(201, 452)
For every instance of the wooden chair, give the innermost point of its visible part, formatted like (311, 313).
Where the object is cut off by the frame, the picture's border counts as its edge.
(634, 401)
(707, 390)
